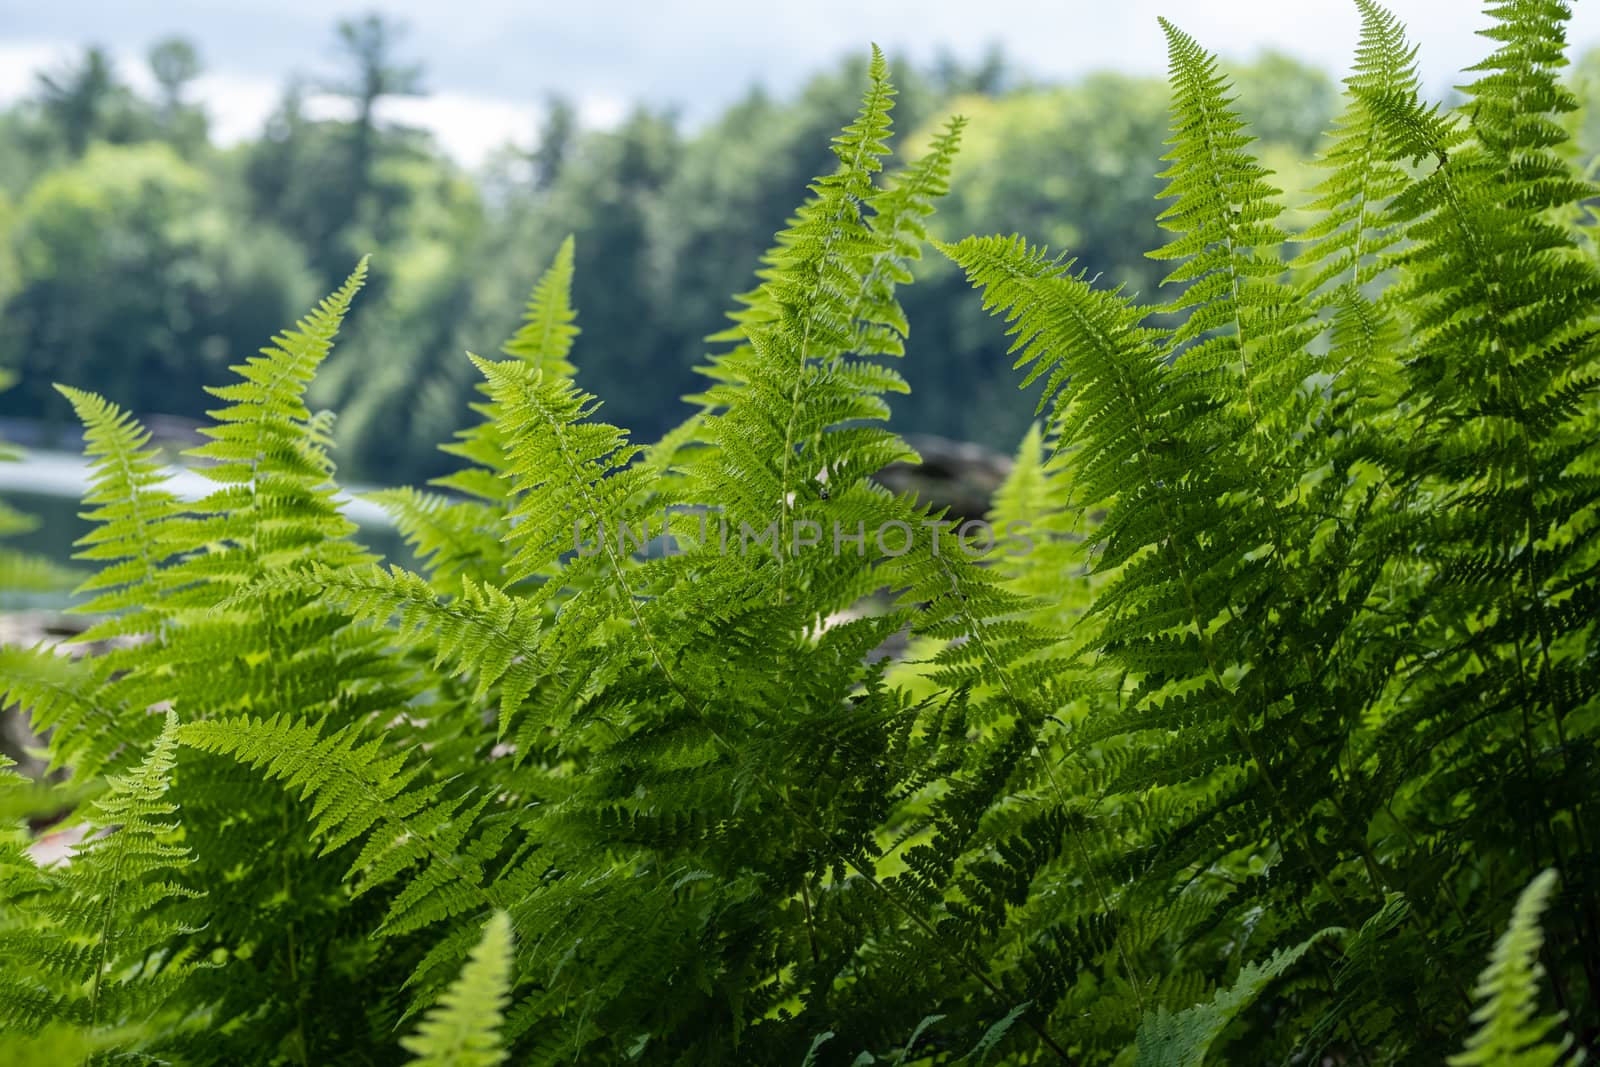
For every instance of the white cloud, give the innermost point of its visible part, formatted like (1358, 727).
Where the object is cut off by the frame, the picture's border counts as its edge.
(21, 63)
(491, 63)
(468, 126)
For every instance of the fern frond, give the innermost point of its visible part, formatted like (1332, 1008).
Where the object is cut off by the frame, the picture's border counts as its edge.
(463, 1030)
(481, 631)
(136, 518)
(1509, 1033)
(573, 478)
(1184, 1039)
(1238, 315)
(1346, 243)
(542, 345)
(275, 504)
(359, 791)
(547, 333)
(791, 378)
(99, 942)
(89, 725)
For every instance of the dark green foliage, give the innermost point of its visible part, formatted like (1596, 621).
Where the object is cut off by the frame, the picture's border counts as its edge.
(1285, 712)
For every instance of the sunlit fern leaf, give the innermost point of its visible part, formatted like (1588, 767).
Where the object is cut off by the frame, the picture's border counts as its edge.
(543, 344)
(463, 1029)
(57, 1044)
(796, 372)
(137, 519)
(547, 333)
(1238, 314)
(1510, 1031)
(573, 477)
(1346, 243)
(275, 502)
(20, 877)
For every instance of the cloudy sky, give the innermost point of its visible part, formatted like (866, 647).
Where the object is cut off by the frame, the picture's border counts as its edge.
(491, 62)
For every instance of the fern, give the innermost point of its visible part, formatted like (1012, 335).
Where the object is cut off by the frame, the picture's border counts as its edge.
(462, 1030)
(96, 944)
(1508, 1032)
(1184, 1039)
(1245, 755)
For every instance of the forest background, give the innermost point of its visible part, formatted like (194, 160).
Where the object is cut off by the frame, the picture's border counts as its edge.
(140, 257)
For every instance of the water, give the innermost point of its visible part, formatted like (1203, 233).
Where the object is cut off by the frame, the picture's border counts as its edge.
(50, 485)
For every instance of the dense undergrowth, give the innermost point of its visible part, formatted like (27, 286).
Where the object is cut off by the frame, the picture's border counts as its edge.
(1264, 733)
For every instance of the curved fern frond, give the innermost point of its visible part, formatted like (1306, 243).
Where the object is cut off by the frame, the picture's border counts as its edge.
(1510, 1033)
(463, 1029)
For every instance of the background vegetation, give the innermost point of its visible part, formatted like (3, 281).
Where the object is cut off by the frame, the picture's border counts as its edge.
(102, 189)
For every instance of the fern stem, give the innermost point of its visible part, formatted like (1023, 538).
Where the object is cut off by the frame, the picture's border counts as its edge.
(102, 946)
(811, 929)
(296, 992)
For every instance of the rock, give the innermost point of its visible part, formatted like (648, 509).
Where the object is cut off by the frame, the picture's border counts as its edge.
(958, 475)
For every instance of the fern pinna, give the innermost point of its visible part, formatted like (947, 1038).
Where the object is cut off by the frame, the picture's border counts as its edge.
(1285, 713)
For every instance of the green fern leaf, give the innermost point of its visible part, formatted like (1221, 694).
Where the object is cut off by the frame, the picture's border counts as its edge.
(463, 1030)
(1184, 1039)
(1509, 1033)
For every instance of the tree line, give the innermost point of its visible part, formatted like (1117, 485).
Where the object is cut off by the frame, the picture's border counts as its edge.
(140, 258)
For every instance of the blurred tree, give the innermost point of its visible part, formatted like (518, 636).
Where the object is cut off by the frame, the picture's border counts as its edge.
(1286, 101)
(10, 274)
(324, 181)
(668, 227)
(135, 282)
(297, 177)
(556, 138)
(175, 63)
(605, 191)
(992, 75)
(393, 378)
(369, 44)
(83, 100)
